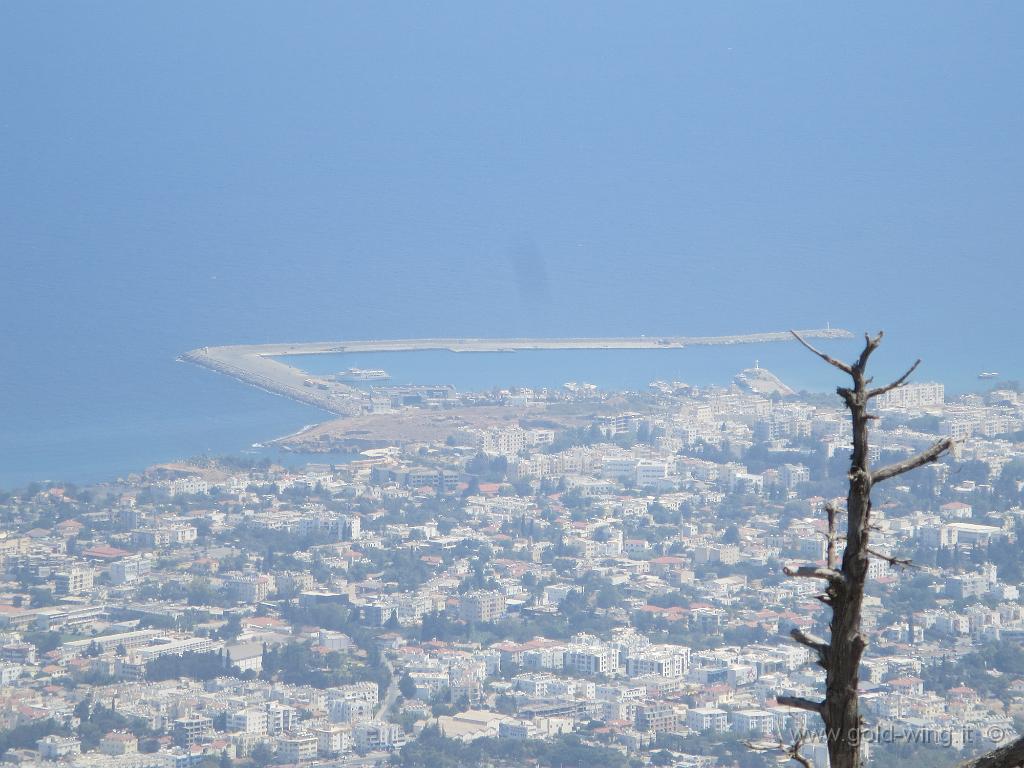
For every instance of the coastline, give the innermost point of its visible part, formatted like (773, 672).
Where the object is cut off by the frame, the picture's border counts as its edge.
(291, 436)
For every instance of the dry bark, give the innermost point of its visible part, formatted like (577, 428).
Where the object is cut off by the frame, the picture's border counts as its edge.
(1009, 756)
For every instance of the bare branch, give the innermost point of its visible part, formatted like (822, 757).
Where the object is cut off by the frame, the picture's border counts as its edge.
(815, 572)
(793, 752)
(925, 457)
(896, 384)
(815, 643)
(846, 368)
(870, 345)
(799, 702)
(1009, 756)
(896, 562)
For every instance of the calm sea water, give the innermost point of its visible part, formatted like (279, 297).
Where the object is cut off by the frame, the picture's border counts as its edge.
(179, 175)
(608, 369)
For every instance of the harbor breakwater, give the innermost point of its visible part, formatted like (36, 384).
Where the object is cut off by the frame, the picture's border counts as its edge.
(259, 366)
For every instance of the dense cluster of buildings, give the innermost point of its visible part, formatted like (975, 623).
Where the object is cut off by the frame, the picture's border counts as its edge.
(624, 586)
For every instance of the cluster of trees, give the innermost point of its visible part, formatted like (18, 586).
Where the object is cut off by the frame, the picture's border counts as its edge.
(295, 663)
(576, 436)
(575, 614)
(96, 721)
(298, 664)
(432, 750)
(402, 567)
(490, 469)
(197, 666)
(342, 619)
(975, 669)
(44, 640)
(327, 615)
(25, 736)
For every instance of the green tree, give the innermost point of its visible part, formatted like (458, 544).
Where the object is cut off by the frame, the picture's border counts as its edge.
(407, 686)
(262, 756)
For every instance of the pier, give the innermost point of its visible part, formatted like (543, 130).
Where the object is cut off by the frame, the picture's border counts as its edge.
(256, 364)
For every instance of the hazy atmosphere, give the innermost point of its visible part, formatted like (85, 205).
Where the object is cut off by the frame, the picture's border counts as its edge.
(412, 385)
(211, 173)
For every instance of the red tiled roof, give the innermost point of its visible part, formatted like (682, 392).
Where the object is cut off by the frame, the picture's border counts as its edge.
(105, 552)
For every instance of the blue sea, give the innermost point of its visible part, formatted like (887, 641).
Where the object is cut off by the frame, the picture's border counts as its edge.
(610, 369)
(189, 174)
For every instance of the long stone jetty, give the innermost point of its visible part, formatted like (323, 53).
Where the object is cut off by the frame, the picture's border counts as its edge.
(257, 364)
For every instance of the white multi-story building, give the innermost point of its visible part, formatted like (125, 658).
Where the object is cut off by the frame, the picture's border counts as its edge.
(923, 395)
(333, 740)
(169, 647)
(9, 672)
(130, 569)
(74, 581)
(705, 719)
(248, 721)
(650, 473)
(349, 710)
(377, 735)
(58, 747)
(506, 441)
(188, 486)
(295, 749)
(758, 723)
(349, 528)
(591, 657)
(250, 587)
(482, 606)
(791, 475)
(662, 660)
(280, 717)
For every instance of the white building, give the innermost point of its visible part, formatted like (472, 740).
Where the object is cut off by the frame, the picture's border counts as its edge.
(248, 721)
(333, 740)
(923, 395)
(374, 736)
(130, 569)
(706, 719)
(758, 723)
(507, 441)
(591, 658)
(295, 749)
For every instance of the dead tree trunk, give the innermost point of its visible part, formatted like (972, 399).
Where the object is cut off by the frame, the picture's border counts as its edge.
(1008, 756)
(840, 655)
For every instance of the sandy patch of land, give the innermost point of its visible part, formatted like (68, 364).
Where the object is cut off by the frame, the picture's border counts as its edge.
(414, 425)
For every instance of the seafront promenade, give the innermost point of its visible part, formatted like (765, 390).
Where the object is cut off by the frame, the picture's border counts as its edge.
(256, 364)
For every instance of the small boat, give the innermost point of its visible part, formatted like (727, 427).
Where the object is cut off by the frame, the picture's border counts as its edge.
(988, 375)
(363, 374)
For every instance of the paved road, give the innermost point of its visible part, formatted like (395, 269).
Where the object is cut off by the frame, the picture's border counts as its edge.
(390, 696)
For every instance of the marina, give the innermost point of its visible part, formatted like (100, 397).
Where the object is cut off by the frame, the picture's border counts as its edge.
(260, 365)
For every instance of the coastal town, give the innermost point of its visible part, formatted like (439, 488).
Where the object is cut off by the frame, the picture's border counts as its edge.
(573, 576)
